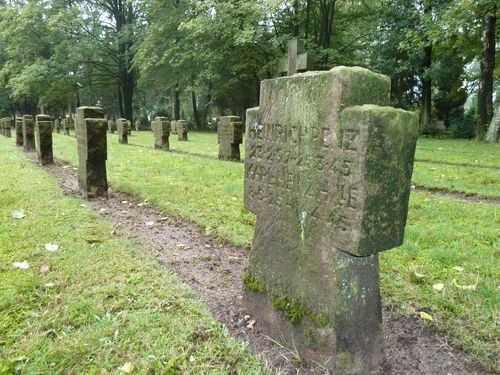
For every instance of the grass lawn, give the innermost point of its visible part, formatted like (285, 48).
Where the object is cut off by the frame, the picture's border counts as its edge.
(457, 178)
(102, 303)
(448, 241)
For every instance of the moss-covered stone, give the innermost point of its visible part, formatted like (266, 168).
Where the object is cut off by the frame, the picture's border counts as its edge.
(161, 131)
(327, 172)
(29, 133)
(230, 136)
(43, 135)
(92, 152)
(122, 128)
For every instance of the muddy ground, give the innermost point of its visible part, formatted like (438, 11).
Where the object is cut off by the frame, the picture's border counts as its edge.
(213, 269)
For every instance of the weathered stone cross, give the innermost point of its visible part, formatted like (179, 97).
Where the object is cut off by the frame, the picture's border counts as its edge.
(328, 170)
(298, 60)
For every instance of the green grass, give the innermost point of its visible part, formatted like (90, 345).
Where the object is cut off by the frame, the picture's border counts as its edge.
(470, 180)
(459, 152)
(110, 303)
(202, 143)
(455, 178)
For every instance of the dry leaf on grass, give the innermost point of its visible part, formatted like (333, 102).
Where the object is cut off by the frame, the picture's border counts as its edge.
(52, 247)
(465, 287)
(21, 265)
(439, 287)
(426, 316)
(44, 268)
(250, 324)
(19, 214)
(127, 368)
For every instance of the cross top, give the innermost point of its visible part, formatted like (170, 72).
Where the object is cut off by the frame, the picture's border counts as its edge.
(298, 60)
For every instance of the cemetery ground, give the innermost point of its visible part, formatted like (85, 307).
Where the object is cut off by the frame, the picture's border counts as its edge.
(446, 271)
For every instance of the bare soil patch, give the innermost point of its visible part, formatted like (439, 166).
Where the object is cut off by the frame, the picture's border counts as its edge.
(213, 269)
(457, 195)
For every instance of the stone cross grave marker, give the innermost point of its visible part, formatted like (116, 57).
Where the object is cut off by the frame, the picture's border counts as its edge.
(111, 127)
(230, 136)
(122, 127)
(19, 132)
(297, 60)
(65, 124)
(10, 125)
(28, 133)
(43, 136)
(173, 127)
(6, 126)
(161, 130)
(57, 125)
(181, 127)
(90, 130)
(327, 171)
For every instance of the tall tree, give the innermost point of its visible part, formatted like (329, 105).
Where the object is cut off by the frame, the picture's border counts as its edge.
(487, 67)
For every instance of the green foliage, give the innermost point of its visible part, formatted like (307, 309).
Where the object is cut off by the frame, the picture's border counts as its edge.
(464, 126)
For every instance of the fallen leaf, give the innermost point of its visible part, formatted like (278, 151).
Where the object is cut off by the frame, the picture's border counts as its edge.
(251, 324)
(191, 358)
(140, 204)
(439, 287)
(150, 223)
(48, 285)
(21, 265)
(164, 218)
(44, 268)
(124, 202)
(52, 247)
(426, 316)
(458, 269)
(419, 275)
(127, 368)
(465, 287)
(19, 214)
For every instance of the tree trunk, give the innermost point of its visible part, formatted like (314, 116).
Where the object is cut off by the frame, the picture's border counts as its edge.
(120, 102)
(485, 93)
(426, 109)
(196, 115)
(177, 102)
(308, 17)
(296, 21)
(128, 96)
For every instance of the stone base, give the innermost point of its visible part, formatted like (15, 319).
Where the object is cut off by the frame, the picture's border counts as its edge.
(328, 346)
(231, 153)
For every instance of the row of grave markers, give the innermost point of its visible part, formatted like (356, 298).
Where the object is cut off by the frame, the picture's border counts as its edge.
(328, 168)
(230, 133)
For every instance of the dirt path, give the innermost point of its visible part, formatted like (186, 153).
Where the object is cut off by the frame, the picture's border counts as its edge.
(470, 197)
(454, 164)
(213, 270)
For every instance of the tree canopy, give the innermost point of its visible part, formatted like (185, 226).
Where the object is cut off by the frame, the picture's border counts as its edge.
(198, 60)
